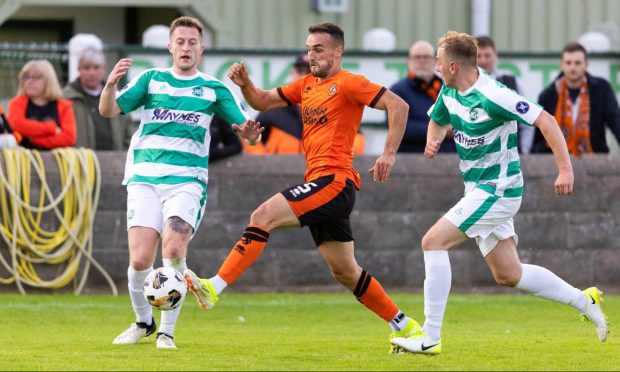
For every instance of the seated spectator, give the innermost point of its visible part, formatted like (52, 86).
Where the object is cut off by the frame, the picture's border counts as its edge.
(419, 89)
(582, 104)
(93, 130)
(224, 141)
(283, 127)
(38, 113)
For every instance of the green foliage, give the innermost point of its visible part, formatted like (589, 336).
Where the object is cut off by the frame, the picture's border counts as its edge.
(301, 332)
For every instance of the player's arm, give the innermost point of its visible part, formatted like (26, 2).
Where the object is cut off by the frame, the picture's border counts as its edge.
(553, 135)
(397, 110)
(107, 103)
(259, 99)
(434, 137)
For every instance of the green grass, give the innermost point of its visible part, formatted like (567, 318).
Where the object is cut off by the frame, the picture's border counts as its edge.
(301, 332)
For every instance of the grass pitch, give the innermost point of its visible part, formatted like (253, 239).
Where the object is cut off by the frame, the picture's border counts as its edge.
(302, 332)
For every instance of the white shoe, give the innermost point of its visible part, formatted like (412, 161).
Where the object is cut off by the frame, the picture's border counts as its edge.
(135, 333)
(419, 343)
(594, 312)
(165, 342)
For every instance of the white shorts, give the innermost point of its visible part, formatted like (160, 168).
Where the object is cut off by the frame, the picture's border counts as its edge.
(152, 205)
(486, 217)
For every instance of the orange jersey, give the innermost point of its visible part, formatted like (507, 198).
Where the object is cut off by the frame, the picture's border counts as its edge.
(331, 113)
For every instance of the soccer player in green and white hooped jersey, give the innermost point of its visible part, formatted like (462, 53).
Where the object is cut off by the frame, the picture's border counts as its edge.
(167, 163)
(484, 115)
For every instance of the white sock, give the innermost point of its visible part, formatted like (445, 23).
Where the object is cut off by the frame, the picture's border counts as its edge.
(135, 283)
(543, 283)
(436, 290)
(399, 322)
(219, 284)
(169, 318)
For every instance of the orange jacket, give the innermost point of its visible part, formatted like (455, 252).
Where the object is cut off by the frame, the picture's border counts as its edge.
(42, 134)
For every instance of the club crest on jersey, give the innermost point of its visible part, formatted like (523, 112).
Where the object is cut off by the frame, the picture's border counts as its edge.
(197, 91)
(332, 89)
(522, 107)
(473, 114)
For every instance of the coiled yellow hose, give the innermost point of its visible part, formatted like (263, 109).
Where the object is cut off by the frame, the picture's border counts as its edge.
(30, 244)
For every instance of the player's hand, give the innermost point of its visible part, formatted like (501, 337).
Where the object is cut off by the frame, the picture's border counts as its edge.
(119, 70)
(238, 74)
(564, 183)
(382, 168)
(431, 149)
(250, 130)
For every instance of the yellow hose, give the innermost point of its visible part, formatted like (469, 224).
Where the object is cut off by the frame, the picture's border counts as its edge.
(68, 245)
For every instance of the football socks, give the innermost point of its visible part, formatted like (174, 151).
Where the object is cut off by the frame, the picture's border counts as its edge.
(436, 290)
(369, 292)
(245, 252)
(169, 318)
(135, 283)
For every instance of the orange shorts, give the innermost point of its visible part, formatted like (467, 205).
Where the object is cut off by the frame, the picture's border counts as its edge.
(324, 205)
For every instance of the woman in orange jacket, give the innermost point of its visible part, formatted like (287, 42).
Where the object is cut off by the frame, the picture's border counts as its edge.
(38, 113)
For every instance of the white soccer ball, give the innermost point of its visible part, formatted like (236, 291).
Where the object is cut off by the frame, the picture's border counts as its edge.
(164, 288)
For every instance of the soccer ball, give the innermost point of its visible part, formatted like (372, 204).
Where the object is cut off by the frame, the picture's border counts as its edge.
(164, 288)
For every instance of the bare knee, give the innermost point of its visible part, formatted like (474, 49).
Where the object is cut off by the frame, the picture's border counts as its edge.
(140, 263)
(507, 279)
(430, 242)
(347, 278)
(261, 216)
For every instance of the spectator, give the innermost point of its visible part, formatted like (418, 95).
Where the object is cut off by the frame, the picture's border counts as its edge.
(93, 130)
(38, 113)
(419, 89)
(582, 105)
(283, 127)
(487, 59)
(224, 141)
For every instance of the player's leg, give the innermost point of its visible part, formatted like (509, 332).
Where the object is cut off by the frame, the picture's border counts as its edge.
(508, 270)
(272, 214)
(183, 209)
(341, 261)
(144, 223)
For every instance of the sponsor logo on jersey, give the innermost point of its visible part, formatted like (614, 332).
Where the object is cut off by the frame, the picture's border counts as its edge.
(188, 118)
(314, 115)
(332, 89)
(465, 141)
(522, 107)
(131, 213)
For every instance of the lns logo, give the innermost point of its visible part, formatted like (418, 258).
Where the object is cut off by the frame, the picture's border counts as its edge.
(302, 189)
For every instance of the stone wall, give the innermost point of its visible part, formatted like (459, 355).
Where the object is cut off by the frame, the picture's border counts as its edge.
(575, 237)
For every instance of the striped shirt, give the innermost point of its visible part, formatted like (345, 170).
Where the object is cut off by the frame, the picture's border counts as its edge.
(484, 119)
(171, 146)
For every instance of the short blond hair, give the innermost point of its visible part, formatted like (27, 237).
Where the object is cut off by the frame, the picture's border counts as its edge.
(186, 22)
(44, 68)
(460, 47)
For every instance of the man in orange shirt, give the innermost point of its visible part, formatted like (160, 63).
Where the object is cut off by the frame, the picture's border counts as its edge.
(332, 101)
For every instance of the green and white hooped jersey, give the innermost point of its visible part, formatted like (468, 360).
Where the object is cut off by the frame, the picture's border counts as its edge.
(484, 119)
(171, 146)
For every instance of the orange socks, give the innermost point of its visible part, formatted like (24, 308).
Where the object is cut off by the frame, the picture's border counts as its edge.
(369, 292)
(243, 255)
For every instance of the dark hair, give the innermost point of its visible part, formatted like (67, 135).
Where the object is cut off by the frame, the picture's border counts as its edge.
(574, 47)
(485, 42)
(332, 29)
(186, 22)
